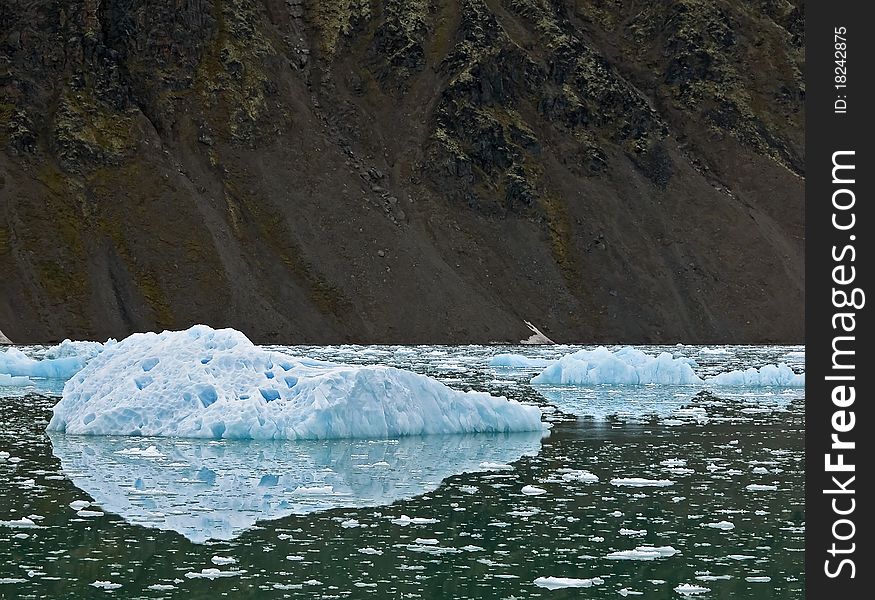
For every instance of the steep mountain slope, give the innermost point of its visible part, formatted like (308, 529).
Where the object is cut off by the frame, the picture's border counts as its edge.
(403, 170)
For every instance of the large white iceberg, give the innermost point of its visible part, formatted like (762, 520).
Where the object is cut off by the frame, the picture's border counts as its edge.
(205, 489)
(207, 383)
(768, 376)
(626, 366)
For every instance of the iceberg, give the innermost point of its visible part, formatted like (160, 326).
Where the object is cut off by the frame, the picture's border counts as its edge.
(626, 366)
(10, 380)
(630, 366)
(204, 489)
(58, 362)
(768, 376)
(207, 383)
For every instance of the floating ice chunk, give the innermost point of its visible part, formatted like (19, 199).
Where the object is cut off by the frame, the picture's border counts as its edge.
(161, 587)
(555, 583)
(583, 476)
(689, 589)
(10, 380)
(426, 541)
(643, 553)
(624, 531)
(150, 452)
(79, 504)
(214, 573)
(531, 490)
(674, 462)
(641, 482)
(493, 466)
(627, 592)
(770, 375)
(105, 585)
(207, 383)
(89, 513)
(59, 362)
(709, 577)
(756, 487)
(369, 550)
(349, 523)
(517, 361)
(22, 523)
(724, 525)
(223, 560)
(758, 579)
(626, 366)
(404, 521)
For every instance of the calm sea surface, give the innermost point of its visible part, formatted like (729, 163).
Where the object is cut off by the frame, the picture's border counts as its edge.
(651, 491)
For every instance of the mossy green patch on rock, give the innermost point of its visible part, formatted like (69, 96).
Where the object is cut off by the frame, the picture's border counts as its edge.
(337, 18)
(86, 131)
(231, 81)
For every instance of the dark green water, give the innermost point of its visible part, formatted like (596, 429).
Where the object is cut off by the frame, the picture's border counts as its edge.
(480, 535)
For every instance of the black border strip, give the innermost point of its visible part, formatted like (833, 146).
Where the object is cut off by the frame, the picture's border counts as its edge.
(838, 120)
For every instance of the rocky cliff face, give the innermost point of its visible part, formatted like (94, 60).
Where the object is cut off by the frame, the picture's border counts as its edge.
(403, 170)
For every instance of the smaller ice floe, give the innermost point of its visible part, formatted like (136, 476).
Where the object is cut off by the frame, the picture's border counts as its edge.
(214, 573)
(89, 513)
(578, 475)
(707, 350)
(756, 487)
(223, 560)
(758, 579)
(404, 521)
(709, 577)
(768, 376)
(724, 525)
(626, 366)
(517, 361)
(674, 462)
(350, 523)
(627, 592)
(22, 523)
(79, 504)
(643, 553)
(624, 531)
(555, 583)
(105, 585)
(641, 482)
(11, 380)
(689, 589)
(150, 452)
(369, 550)
(59, 362)
(493, 466)
(531, 490)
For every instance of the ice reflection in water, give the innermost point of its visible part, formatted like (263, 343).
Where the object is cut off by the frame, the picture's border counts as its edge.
(216, 490)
